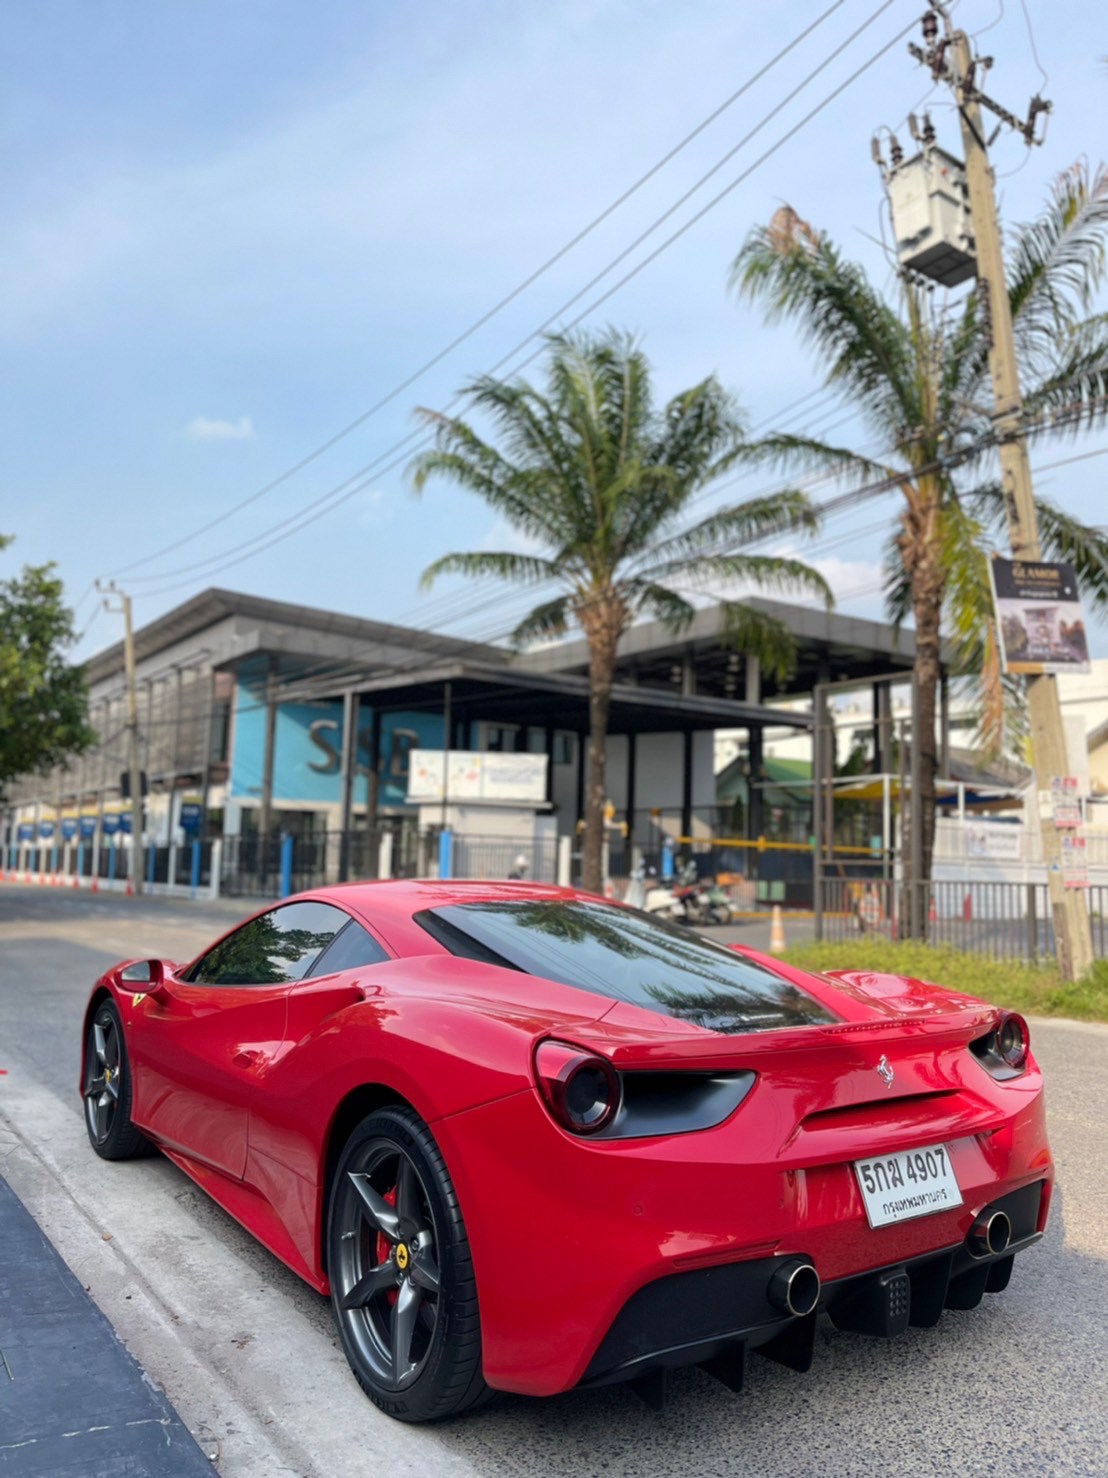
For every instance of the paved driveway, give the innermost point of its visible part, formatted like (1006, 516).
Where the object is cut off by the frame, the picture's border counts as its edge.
(247, 1355)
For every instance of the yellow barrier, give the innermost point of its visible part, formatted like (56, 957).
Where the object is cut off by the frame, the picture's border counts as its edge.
(763, 844)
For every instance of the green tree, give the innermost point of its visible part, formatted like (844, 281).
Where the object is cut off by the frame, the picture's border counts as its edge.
(916, 371)
(43, 700)
(599, 479)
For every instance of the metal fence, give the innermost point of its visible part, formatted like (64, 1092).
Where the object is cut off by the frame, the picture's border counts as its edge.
(294, 864)
(1011, 921)
(501, 857)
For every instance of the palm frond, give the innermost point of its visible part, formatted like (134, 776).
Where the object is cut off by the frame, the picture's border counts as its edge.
(672, 609)
(524, 569)
(768, 572)
(866, 346)
(1059, 260)
(785, 450)
(551, 619)
(757, 634)
(1073, 395)
(757, 518)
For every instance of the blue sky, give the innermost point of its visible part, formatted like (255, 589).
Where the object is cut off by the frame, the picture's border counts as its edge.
(226, 230)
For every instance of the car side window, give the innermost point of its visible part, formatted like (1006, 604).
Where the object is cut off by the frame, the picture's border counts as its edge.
(351, 948)
(278, 947)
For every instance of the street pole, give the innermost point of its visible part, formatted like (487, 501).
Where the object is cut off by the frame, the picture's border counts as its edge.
(265, 809)
(955, 62)
(132, 727)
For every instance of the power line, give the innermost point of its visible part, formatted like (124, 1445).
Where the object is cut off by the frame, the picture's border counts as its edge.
(503, 302)
(337, 496)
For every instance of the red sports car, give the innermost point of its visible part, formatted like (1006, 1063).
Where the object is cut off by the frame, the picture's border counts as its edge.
(527, 1139)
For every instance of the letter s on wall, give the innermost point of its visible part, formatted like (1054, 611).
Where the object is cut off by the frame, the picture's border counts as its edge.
(317, 736)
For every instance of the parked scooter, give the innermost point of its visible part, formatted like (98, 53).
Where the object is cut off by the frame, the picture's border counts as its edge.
(647, 892)
(702, 899)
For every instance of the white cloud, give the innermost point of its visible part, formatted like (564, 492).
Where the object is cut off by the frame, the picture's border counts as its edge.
(209, 428)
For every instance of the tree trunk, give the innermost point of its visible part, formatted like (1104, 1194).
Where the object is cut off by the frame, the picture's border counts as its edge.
(600, 692)
(603, 621)
(928, 676)
(921, 549)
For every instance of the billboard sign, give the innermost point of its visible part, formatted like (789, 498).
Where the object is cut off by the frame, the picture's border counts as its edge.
(477, 775)
(1039, 617)
(994, 841)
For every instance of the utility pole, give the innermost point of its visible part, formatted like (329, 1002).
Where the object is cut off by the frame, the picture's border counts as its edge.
(110, 591)
(265, 809)
(951, 59)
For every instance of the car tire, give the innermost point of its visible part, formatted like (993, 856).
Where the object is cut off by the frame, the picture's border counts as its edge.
(107, 1089)
(402, 1282)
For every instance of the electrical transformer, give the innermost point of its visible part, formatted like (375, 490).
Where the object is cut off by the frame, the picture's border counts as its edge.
(931, 218)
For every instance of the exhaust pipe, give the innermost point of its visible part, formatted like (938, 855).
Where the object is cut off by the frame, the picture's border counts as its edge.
(794, 1288)
(990, 1234)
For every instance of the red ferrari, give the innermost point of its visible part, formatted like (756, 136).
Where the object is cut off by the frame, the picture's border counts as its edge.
(529, 1140)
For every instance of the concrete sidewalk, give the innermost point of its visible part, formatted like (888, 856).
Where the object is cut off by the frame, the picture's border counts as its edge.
(72, 1400)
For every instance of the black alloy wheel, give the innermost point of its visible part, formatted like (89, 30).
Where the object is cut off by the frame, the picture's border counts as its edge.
(107, 1089)
(402, 1282)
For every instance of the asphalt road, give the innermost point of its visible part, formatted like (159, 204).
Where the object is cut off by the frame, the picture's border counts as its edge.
(246, 1352)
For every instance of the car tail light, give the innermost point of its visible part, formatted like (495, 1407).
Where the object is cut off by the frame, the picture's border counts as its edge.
(1012, 1040)
(580, 1089)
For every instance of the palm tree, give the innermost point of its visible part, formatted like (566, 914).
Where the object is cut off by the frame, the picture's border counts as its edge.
(599, 480)
(916, 372)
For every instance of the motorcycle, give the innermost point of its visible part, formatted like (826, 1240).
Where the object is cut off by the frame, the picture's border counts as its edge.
(702, 899)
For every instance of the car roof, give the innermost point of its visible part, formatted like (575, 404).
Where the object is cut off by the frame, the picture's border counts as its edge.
(400, 898)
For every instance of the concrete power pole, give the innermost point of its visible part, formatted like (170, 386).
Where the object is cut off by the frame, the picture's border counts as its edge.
(132, 726)
(952, 60)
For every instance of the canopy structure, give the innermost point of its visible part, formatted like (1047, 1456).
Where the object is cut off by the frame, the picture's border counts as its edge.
(951, 795)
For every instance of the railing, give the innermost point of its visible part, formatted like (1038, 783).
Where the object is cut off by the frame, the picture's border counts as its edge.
(1011, 921)
(501, 857)
(1000, 842)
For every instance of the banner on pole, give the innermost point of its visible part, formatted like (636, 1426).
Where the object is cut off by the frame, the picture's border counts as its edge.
(1039, 617)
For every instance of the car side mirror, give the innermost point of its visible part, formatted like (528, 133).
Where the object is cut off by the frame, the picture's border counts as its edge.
(143, 977)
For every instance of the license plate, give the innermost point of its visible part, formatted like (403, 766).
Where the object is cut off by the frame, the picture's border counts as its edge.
(907, 1184)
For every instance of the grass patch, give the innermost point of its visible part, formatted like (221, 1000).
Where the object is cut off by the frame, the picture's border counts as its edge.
(1033, 989)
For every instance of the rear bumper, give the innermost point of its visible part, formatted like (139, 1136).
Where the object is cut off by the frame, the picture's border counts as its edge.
(566, 1234)
(714, 1316)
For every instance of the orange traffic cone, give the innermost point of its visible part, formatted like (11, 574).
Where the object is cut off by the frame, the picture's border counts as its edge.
(94, 886)
(777, 932)
(129, 890)
(76, 881)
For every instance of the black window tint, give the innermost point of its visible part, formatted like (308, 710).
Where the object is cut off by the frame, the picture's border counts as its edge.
(630, 956)
(282, 945)
(351, 948)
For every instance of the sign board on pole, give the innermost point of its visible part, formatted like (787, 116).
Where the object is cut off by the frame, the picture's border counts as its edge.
(88, 826)
(1065, 801)
(1075, 866)
(1039, 617)
(192, 810)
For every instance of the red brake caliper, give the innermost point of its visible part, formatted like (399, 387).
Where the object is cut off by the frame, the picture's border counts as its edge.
(384, 1246)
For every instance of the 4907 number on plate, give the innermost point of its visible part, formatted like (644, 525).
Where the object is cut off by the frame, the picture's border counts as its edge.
(907, 1184)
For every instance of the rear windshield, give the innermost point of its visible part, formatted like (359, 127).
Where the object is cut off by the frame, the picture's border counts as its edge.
(628, 956)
